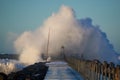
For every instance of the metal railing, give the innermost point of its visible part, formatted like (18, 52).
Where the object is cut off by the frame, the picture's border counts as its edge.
(95, 70)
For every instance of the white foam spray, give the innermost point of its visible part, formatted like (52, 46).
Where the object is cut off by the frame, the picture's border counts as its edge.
(78, 36)
(7, 66)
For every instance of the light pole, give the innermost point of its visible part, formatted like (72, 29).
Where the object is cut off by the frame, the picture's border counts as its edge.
(48, 44)
(62, 52)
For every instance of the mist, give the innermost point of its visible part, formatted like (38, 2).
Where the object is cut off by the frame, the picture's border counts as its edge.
(7, 66)
(79, 37)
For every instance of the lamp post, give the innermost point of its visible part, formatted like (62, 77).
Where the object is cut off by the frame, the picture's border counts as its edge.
(62, 52)
(48, 44)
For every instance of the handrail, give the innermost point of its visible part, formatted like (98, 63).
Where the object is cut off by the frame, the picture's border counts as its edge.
(95, 70)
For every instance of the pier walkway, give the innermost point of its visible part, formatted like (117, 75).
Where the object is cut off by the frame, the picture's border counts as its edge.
(61, 71)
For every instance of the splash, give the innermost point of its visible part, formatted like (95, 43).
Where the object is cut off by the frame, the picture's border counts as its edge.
(79, 37)
(7, 66)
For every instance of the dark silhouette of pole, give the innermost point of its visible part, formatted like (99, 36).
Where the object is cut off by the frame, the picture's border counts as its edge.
(63, 54)
(48, 43)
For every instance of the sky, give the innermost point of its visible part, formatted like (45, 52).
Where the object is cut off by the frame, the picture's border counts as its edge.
(17, 16)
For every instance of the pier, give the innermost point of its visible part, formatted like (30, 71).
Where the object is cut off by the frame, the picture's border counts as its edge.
(60, 70)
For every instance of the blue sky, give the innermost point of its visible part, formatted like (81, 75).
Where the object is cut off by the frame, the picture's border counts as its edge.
(17, 16)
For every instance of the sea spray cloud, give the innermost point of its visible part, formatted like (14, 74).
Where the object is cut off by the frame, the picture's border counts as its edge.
(29, 49)
(78, 36)
(7, 65)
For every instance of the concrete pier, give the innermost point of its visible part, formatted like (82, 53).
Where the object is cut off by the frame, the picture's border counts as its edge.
(61, 71)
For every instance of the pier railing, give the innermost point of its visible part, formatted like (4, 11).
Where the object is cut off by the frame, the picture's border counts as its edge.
(95, 70)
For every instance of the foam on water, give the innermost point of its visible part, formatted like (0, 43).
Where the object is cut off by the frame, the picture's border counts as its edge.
(8, 65)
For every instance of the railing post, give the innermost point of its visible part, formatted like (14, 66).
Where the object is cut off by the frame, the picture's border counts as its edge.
(88, 70)
(110, 74)
(100, 71)
(117, 73)
(94, 70)
(105, 70)
(113, 73)
(98, 64)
